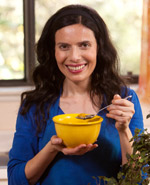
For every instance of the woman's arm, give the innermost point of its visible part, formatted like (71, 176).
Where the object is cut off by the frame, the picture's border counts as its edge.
(38, 164)
(35, 167)
(122, 111)
(126, 146)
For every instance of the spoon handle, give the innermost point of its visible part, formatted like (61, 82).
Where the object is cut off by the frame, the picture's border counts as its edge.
(111, 104)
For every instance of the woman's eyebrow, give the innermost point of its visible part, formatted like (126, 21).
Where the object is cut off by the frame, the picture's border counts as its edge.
(62, 43)
(84, 41)
(59, 43)
(81, 42)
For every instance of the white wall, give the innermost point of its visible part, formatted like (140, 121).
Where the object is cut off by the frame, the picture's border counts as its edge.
(8, 111)
(9, 105)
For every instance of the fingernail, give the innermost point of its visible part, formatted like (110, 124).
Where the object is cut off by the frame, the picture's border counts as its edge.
(59, 140)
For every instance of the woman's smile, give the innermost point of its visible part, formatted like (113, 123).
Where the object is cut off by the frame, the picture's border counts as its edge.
(76, 52)
(76, 68)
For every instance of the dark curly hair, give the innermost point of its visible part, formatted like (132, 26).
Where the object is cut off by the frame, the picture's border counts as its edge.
(47, 77)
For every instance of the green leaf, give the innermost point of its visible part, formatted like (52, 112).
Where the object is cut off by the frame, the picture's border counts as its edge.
(141, 160)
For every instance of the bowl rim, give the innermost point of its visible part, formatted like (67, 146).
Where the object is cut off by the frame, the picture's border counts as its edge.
(75, 124)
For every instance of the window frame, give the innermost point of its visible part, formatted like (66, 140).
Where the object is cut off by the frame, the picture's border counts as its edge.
(29, 46)
(29, 49)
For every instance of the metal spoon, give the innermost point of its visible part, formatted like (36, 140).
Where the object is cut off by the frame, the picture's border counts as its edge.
(89, 116)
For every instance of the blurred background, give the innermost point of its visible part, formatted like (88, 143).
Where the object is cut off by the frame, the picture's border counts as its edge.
(21, 23)
(123, 18)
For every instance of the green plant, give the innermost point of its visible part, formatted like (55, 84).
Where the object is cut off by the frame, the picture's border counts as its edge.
(137, 169)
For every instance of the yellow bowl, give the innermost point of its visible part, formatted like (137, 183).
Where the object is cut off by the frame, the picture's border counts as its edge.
(75, 131)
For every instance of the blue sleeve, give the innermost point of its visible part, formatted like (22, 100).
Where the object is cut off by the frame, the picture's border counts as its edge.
(25, 147)
(137, 119)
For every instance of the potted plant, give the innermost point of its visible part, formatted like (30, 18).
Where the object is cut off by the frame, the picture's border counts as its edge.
(137, 170)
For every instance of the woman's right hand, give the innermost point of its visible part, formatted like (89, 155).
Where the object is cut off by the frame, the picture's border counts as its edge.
(57, 144)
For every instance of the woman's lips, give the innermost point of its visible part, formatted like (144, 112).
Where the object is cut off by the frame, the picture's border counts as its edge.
(76, 68)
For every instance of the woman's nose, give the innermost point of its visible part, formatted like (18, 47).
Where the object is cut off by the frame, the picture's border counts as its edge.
(75, 54)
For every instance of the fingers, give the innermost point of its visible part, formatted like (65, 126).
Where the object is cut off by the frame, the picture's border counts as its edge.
(117, 100)
(56, 140)
(58, 145)
(121, 104)
(117, 96)
(79, 150)
(121, 117)
(121, 110)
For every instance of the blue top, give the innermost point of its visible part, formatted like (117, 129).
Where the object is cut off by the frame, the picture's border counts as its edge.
(68, 170)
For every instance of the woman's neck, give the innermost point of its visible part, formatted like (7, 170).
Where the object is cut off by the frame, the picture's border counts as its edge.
(75, 89)
(76, 98)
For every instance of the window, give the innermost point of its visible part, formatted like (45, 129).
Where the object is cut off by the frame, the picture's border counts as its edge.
(16, 42)
(11, 40)
(21, 19)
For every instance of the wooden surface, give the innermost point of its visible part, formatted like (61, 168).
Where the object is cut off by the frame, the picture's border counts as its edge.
(144, 79)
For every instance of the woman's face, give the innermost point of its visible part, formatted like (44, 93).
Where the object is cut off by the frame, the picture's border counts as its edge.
(76, 52)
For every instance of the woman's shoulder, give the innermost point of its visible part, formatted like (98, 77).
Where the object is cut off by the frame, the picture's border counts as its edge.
(127, 91)
(26, 110)
(27, 120)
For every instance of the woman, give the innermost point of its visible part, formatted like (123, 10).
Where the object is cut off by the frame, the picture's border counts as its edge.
(77, 73)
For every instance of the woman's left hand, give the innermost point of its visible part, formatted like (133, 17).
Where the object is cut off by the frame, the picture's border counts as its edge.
(122, 111)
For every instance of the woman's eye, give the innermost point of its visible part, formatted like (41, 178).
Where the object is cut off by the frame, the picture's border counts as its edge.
(64, 47)
(85, 45)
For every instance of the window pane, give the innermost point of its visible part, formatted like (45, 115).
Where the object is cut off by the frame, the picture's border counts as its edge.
(11, 40)
(123, 18)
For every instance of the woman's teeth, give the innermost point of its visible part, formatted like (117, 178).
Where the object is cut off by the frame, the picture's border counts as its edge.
(76, 68)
